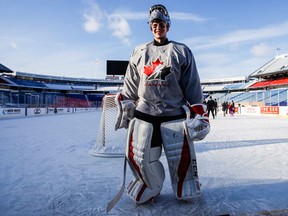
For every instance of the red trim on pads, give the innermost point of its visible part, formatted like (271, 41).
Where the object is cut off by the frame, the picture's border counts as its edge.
(184, 164)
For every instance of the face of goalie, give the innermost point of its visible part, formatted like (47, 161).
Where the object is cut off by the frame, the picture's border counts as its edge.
(159, 30)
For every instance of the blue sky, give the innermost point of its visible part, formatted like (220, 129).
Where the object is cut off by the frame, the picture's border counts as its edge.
(74, 38)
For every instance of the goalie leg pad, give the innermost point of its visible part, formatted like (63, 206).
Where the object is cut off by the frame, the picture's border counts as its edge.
(181, 157)
(144, 162)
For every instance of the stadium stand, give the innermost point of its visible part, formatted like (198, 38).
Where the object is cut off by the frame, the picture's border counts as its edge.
(270, 83)
(4, 69)
(267, 86)
(26, 83)
(275, 68)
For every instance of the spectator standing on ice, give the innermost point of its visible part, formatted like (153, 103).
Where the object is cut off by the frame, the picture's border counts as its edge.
(224, 108)
(211, 107)
(161, 78)
(231, 108)
(215, 107)
(233, 104)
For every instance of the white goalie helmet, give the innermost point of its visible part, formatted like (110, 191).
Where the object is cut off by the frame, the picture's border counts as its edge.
(159, 12)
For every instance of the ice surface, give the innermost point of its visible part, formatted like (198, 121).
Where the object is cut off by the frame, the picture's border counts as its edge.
(46, 169)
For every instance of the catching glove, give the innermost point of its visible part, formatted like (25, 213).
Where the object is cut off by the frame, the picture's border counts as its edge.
(125, 113)
(198, 126)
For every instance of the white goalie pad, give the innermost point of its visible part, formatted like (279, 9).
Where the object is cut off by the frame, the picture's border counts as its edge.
(181, 157)
(144, 162)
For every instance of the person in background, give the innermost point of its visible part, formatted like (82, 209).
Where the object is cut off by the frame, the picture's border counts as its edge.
(215, 107)
(231, 108)
(211, 107)
(160, 81)
(224, 108)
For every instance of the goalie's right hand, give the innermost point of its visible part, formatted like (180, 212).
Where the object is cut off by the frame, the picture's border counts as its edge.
(125, 113)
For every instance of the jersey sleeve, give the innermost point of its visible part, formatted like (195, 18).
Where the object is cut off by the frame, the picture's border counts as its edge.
(190, 80)
(131, 81)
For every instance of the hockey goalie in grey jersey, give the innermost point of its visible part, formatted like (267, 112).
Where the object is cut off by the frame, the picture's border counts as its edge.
(161, 79)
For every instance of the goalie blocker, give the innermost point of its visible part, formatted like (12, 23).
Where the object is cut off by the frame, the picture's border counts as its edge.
(125, 113)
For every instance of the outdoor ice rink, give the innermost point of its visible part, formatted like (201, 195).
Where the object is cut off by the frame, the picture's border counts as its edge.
(46, 169)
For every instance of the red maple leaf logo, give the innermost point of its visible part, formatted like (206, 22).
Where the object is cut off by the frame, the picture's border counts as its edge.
(148, 70)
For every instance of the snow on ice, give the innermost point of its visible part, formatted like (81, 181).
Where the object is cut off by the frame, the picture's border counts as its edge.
(46, 169)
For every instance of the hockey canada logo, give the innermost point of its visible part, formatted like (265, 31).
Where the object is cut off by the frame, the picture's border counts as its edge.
(158, 71)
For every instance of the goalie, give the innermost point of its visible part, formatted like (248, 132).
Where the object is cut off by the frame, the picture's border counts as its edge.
(161, 79)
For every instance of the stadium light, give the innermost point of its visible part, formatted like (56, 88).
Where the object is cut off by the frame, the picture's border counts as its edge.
(96, 69)
(277, 51)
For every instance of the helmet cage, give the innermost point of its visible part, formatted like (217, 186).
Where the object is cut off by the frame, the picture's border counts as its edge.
(159, 7)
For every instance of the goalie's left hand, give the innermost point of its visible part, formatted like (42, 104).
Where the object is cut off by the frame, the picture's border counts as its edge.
(198, 126)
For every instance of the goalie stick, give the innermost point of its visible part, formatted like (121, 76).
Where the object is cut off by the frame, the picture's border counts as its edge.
(115, 200)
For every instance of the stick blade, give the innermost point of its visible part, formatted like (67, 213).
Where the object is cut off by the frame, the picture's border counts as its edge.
(115, 200)
(118, 196)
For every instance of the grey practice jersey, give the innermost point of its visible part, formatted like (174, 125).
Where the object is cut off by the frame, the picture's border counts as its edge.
(162, 79)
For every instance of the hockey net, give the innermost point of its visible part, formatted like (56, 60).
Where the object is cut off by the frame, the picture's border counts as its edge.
(109, 143)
